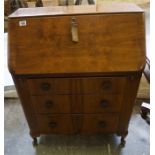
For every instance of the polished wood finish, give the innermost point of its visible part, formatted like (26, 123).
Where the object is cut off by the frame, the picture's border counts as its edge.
(52, 103)
(52, 42)
(91, 85)
(73, 77)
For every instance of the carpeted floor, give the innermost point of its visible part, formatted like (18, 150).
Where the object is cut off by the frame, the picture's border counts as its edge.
(18, 142)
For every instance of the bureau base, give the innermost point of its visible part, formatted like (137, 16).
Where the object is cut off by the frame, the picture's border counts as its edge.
(87, 105)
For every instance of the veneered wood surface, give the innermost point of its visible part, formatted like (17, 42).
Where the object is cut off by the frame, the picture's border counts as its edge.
(129, 97)
(102, 103)
(56, 86)
(99, 123)
(84, 124)
(90, 85)
(51, 104)
(59, 104)
(103, 85)
(107, 43)
(83, 112)
(42, 52)
(63, 124)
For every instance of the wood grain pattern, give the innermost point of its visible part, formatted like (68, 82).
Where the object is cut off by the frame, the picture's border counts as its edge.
(99, 123)
(76, 103)
(65, 124)
(86, 87)
(52, 104)
(128, 102)
(27, 106)
(91, 85)
(119, 48)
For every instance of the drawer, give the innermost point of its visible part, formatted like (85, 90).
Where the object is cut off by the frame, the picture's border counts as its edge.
(103, 85)
(51, 103)
(49, 86)
(102, 103)
(99, 123)
(61, 124)
(97, 103)
(91, 85)
(85, 124)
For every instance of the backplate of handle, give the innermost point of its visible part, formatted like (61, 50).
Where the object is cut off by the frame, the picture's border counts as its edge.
(74, 30)
(53, 124)
(45, 86)
(49, 104)
(102, 124)
(107, 85)
(104, 103)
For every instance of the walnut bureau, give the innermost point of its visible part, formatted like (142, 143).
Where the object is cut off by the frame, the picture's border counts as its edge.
(77, 68)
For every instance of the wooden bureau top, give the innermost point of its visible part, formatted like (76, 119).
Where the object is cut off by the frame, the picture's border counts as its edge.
(112, 39)
(106, 7)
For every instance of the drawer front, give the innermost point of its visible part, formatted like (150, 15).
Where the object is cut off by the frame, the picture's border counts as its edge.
(102, 103)
(85, 124)
(76, 85)
(61, 124)
(103, 85)
(49, 86)
(76, 103)
(98, 123)
(51, 103)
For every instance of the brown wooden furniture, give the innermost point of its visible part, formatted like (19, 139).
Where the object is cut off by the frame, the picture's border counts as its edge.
(77, 68)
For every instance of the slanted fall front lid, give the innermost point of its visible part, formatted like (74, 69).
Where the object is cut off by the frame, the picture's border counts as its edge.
(77, 39)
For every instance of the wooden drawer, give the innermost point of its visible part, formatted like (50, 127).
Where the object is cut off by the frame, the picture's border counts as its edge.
(55, 123)
(49, 86)
(102, 103)
(76, 103)
(86, 124)
(99, 123)
(91, 85)
(51, 103)
(103, 85)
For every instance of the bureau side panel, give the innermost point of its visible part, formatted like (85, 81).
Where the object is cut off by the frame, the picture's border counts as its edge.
(128, 102)
(24, 96)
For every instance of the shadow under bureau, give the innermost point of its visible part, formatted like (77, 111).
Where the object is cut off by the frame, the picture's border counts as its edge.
(77, 68)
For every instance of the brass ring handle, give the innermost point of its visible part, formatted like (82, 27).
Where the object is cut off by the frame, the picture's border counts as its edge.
(45, 86)
(74, 30)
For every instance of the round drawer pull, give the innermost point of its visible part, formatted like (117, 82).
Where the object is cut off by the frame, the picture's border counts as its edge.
(104, 103)
(53, 124)
(102, 124)
(49, 104)
(45, 86)
(107, 85)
